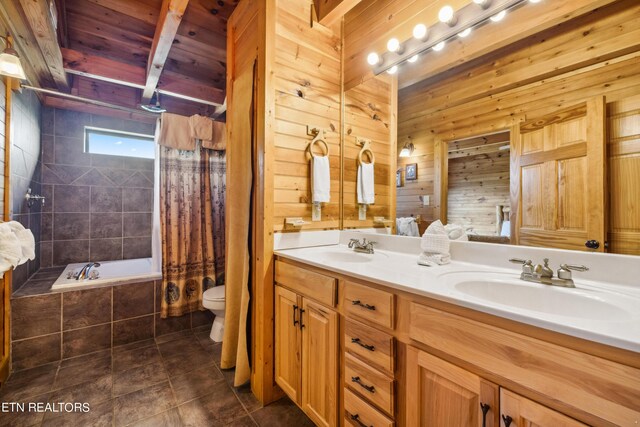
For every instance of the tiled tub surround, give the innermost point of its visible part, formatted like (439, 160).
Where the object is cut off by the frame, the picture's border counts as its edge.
(51, 326)
(99, 207)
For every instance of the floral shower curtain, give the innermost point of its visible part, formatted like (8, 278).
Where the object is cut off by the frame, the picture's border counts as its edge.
(192, 186)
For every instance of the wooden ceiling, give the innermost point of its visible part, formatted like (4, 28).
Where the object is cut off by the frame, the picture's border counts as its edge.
(121, 51)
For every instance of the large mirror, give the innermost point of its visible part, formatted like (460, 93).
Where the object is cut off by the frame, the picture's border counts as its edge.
(530, 155)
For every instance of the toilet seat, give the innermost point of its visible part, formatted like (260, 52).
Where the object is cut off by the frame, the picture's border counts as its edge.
(214, 294)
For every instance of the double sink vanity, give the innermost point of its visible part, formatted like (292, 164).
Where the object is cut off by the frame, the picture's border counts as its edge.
(374, 339)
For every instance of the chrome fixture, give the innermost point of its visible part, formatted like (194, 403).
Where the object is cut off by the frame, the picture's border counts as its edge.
(363, 247)
(31, 198)
(544, 274)
(84, 272)
(154, 105)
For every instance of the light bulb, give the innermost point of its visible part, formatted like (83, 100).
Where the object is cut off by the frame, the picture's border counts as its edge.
(439, 46)
(465, 33)
(446, 15)
(413, 59)
(534, 1)
(420, 31)
(482, 3)
(499, 16)
(393, 45)
(373, 58)
(393, 69)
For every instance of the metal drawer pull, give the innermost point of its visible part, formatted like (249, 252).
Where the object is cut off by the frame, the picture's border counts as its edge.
(369, 388)
(363, 305)
(295, 322)
(367, 346)
(485, 408)
(507, 420)
(356, 418)
(302, 325)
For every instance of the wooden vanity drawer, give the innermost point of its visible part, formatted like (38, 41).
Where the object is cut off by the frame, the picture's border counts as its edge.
(307, 283)
(357, 413)
(371, 304)
(370, 345)
(372, 384)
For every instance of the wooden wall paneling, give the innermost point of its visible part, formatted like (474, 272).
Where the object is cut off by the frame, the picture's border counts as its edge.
(370, 112)
(425, 117)
(307, 91)
(623, 148)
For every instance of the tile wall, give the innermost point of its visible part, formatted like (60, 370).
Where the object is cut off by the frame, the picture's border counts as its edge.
(53, 326)
(100, 206)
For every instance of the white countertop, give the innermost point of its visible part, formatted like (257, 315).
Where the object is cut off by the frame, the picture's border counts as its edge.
(610, 313)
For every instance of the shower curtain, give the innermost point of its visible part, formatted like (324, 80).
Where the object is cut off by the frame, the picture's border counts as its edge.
(192, 224)
(236, 341)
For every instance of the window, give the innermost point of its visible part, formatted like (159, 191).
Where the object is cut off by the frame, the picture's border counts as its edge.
(115, 143)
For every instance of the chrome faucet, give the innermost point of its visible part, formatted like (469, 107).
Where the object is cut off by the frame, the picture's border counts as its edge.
(544, 274)
(364, 246)
(84, 271)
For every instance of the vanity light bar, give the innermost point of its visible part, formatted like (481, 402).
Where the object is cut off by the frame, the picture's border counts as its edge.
(469, 16)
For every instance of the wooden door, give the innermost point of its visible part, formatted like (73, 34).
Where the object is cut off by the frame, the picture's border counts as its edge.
(319, 363)
(288, 344)
(518, 411)
(441, 394)
(558, 178)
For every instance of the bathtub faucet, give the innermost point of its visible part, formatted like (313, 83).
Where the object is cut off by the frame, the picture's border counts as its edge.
(84, 272)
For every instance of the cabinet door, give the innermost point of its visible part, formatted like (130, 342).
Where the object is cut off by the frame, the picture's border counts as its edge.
(442, 394)
(319, 363)
(288, 342)
(518, 411)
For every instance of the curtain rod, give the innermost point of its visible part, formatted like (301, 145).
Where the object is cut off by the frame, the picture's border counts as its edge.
(87, 100)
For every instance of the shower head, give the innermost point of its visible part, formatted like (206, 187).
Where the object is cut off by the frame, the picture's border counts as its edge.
(154, 107)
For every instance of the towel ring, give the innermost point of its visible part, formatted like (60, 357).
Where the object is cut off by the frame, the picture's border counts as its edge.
(367, 150)
(318, 139)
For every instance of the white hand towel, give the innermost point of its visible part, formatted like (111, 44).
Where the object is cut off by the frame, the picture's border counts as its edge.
(431, 260)
(414, 231)
(320, 179)
(365, 184)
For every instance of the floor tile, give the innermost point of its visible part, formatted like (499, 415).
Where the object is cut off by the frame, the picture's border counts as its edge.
(184, 363)
(246, 421)
(133, 345)
(143, 403)
(281, 413)
(137, 357)
(179, 346)
(81, 373)
(92, 392)
(138, 378)
(170, 418)
(197, 383)
(246, 397)
(174, 336)
(218, 408)
(30, 382)
(215, 350)
(100, 415)
(79, 360)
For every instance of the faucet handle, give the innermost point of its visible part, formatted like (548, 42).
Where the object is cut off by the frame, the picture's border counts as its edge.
(521, 261)
(575, 267)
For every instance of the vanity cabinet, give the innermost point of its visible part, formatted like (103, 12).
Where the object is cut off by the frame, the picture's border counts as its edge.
(442, 394)
(306, 342)
(518, 411)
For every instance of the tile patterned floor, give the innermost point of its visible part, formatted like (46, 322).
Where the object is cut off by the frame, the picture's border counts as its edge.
(173, 380)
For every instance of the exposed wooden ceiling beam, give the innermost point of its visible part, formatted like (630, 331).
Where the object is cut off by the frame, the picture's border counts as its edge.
(36, 41)
(108, 70)
(166, 29)
(330, 11)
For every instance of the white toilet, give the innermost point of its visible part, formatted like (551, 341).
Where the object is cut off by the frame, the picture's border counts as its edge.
(213, 299)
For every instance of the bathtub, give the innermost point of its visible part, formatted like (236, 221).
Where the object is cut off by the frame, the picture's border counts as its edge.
(110, 272)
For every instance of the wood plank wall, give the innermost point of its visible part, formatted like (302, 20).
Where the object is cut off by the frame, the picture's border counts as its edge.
(478, 182)
(596, 54)
(308, 89)
(369, 113)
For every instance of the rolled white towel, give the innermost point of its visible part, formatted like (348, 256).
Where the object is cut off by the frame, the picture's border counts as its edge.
(26, 239)
(10, 248)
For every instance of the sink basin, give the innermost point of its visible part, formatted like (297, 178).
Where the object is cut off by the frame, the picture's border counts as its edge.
(343, 256)
(577, 303)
